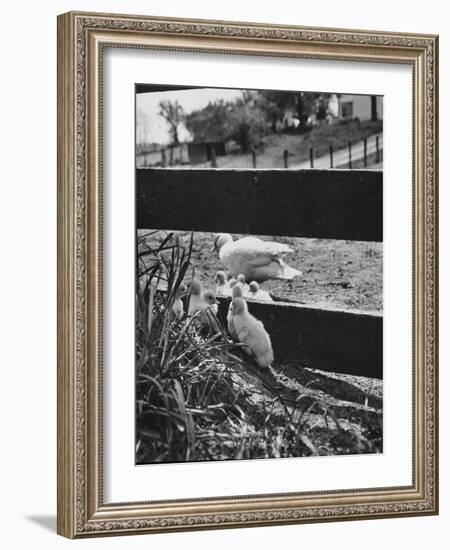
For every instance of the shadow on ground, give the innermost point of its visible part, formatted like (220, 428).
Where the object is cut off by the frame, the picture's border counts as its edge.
(46, 522)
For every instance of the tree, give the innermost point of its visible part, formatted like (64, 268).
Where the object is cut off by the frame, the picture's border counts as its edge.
(322, 106)
(274, 104)
(247, 121)
(254, 114)
(305, 107)
(210, 123)
(173, 114)
(241, 120)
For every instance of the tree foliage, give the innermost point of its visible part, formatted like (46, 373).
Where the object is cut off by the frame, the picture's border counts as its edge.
(274, 104)
(210, 123)
(174, 115)
(247, 121)
(254, 114)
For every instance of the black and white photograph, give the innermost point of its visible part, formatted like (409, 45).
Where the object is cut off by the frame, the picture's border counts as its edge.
(259, 274)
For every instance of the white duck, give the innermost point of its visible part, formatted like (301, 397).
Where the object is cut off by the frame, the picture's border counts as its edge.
(251, 331)
(256, 259)
(236, 293)
(256, 293)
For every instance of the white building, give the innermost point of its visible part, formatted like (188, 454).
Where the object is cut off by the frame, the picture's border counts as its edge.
(349, 107)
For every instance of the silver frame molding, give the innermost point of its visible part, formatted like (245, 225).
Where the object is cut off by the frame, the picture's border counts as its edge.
(81, 38)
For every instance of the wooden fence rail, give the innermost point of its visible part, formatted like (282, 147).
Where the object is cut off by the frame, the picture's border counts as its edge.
(350, 342)
(330, 204)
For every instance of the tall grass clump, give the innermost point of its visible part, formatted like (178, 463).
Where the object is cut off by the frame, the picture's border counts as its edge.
(183, 384)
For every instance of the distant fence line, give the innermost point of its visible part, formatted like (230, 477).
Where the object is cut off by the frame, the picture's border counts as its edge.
(361, 152)
(364, 150)
(182, 154)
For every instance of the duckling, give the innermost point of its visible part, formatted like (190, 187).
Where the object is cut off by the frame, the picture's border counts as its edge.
(210, 301)
(240, 283)
(222, 285)
(207, 318)
(200, 300)
(236, 293)
(204, 305)
(241, 280)
(256, 293)
(232, 282)
(256, 259)
(178, 307)
(195, 297)
(251, 331)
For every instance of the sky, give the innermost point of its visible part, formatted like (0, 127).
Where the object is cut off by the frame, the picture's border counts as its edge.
(190, 100)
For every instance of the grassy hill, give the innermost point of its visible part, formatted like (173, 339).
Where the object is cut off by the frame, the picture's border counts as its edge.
(271, 150)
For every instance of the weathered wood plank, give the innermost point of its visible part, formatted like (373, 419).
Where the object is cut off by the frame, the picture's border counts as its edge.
(331, 204)
(349, 342)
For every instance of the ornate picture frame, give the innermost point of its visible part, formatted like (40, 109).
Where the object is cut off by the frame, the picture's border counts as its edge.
(82, 38)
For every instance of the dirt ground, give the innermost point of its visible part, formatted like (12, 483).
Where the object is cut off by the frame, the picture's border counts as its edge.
(341, 274)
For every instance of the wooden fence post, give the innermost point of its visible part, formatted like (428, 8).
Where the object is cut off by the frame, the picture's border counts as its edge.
(213, 157)
(350, 154)
(377, 141)
(311, 157)
(254, 158)
(365, 152)
(285, 157)
(331, 156)
(163, 157)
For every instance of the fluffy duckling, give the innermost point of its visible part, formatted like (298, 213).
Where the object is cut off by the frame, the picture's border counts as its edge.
(238, 283)
(256, 293)
(241, 280)
(232, 282)
(178, 307)
(204, 305)
(207, 319)
(236, 293)
(251, 331)
(200, 300)
(210, 301)
(256, 259)
(222, 285)
(195, 297)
